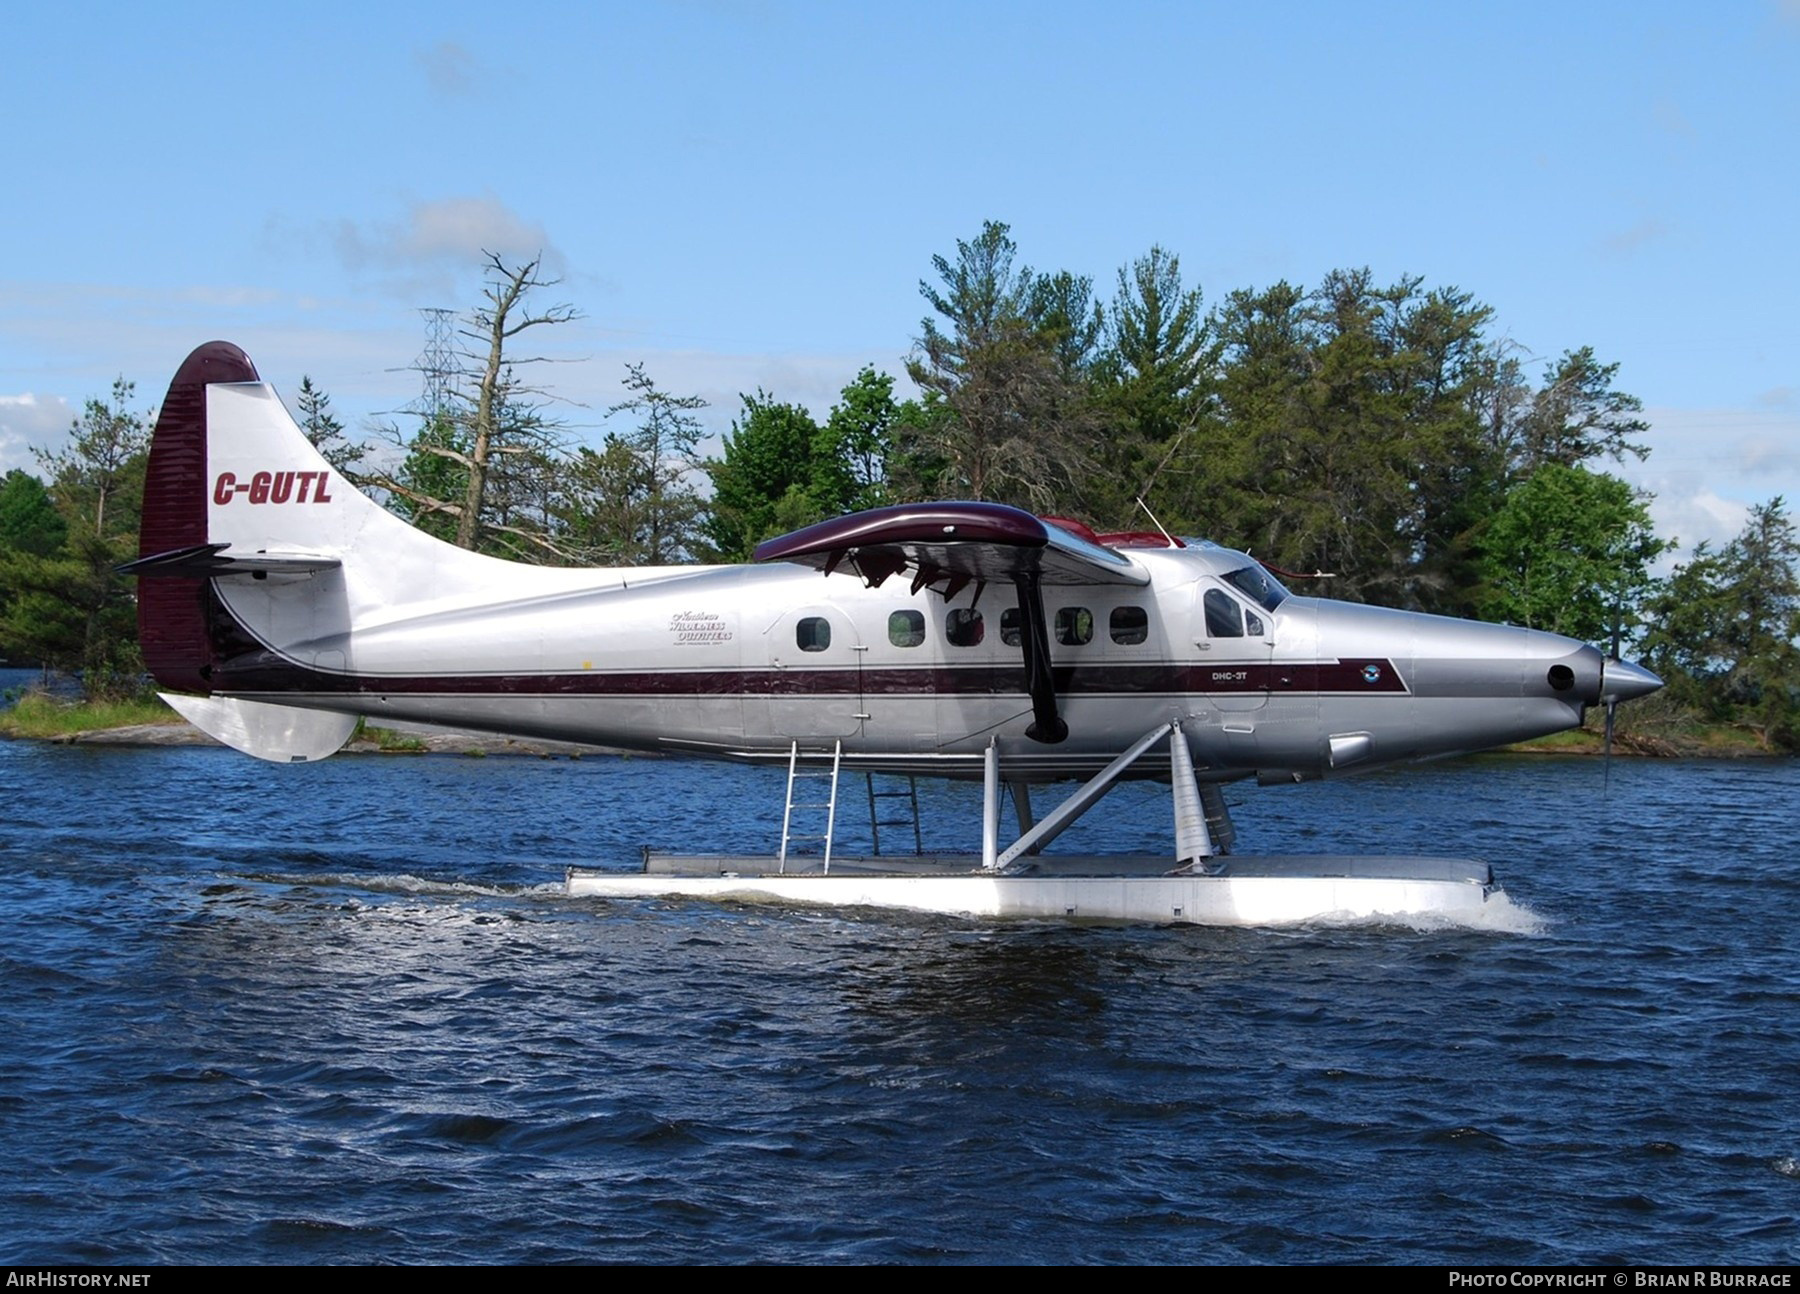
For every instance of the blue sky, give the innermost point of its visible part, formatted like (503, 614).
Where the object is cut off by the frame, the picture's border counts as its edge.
(745, 194)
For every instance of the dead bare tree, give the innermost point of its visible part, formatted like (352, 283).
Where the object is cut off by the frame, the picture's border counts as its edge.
(484, 463)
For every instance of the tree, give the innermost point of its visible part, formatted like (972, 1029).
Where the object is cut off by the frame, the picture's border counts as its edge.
(31, 530)
(1578, 416)
(635, 501)
(768, 455)
(433, 474)
(29, 521)
(1724, 628)
(856, 443)
(1154, 382)
(1569, 551)
(1013, 423)
(105, 459)
(65, 606)
(781, 470)
(495, 433)
(324, 430)
(1345, 437)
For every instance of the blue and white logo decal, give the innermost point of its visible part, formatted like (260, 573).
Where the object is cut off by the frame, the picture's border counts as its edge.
(1371, 673)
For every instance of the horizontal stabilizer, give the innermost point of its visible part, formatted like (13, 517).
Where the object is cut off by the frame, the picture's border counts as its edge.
(204, 561)
(281, 734)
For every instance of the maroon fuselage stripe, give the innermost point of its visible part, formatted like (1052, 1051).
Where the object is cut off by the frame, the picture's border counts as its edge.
(265, 672)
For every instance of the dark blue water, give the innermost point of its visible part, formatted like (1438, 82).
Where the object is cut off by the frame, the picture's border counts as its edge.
(341, 1013)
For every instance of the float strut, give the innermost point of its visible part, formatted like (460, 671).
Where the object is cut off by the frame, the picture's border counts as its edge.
(990, 806)
(1061, 817)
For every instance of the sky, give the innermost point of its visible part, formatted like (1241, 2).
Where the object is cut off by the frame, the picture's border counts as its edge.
(745, 194)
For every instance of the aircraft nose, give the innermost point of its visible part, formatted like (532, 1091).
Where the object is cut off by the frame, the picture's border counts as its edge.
(1623, 681)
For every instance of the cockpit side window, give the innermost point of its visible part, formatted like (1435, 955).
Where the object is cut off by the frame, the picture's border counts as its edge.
(1224, 618)
(1258, 585)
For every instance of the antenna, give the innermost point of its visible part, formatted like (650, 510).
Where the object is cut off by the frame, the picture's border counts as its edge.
(1153, 521)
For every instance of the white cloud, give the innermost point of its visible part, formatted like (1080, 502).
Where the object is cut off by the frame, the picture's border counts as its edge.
(451, 232)
(1708, 467)
(28, 421)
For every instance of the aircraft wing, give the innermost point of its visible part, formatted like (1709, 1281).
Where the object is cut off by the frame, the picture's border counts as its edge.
(952, 544)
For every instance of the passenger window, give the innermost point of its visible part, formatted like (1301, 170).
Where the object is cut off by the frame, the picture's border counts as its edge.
(1009, 626)
(906, 628)
(1223, 618)
(963, 627)
(1074, 626)
(1129, 626)
(813, 633)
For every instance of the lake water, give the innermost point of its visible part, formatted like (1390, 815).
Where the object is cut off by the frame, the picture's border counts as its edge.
(342, 1013)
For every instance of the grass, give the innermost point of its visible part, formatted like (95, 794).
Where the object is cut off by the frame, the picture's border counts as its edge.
(37, 714)
(1673, 736)
(387, 741)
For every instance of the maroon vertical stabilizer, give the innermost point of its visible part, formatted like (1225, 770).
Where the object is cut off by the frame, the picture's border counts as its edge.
(172, 611)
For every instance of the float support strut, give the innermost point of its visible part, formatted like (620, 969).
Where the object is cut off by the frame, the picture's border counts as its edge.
(990, 806)
(1064, 815)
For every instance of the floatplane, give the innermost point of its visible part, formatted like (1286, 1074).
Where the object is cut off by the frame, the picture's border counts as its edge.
(278, 606)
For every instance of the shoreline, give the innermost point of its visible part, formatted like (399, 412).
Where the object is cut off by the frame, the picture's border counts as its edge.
(422, 739)
(395, 740)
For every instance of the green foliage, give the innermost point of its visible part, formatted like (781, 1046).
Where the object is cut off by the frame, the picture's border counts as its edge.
(851, 454)
(61, 603)
(99, 478)
(768, 466)
(434, 478)
(1578, 416)
(324, 430)
(1344, 436)
(781, 470)
(39, 715)
(1153, 385)
(29, 521)
(1015, 422)
(634, 502)
(1724, 625)
(1568, 551)
(70, 611)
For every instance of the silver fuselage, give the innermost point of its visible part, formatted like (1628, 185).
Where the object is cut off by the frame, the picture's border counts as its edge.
(742, 662)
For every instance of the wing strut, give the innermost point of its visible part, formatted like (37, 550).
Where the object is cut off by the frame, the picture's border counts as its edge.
(1047, 725)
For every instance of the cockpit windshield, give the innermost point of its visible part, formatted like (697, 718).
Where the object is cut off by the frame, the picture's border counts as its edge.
(1258, 584)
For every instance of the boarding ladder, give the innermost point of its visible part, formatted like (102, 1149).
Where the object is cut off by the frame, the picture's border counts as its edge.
(877, 822)
(803, 780)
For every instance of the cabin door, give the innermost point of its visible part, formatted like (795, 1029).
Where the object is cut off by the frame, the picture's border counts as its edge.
(812, 679)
